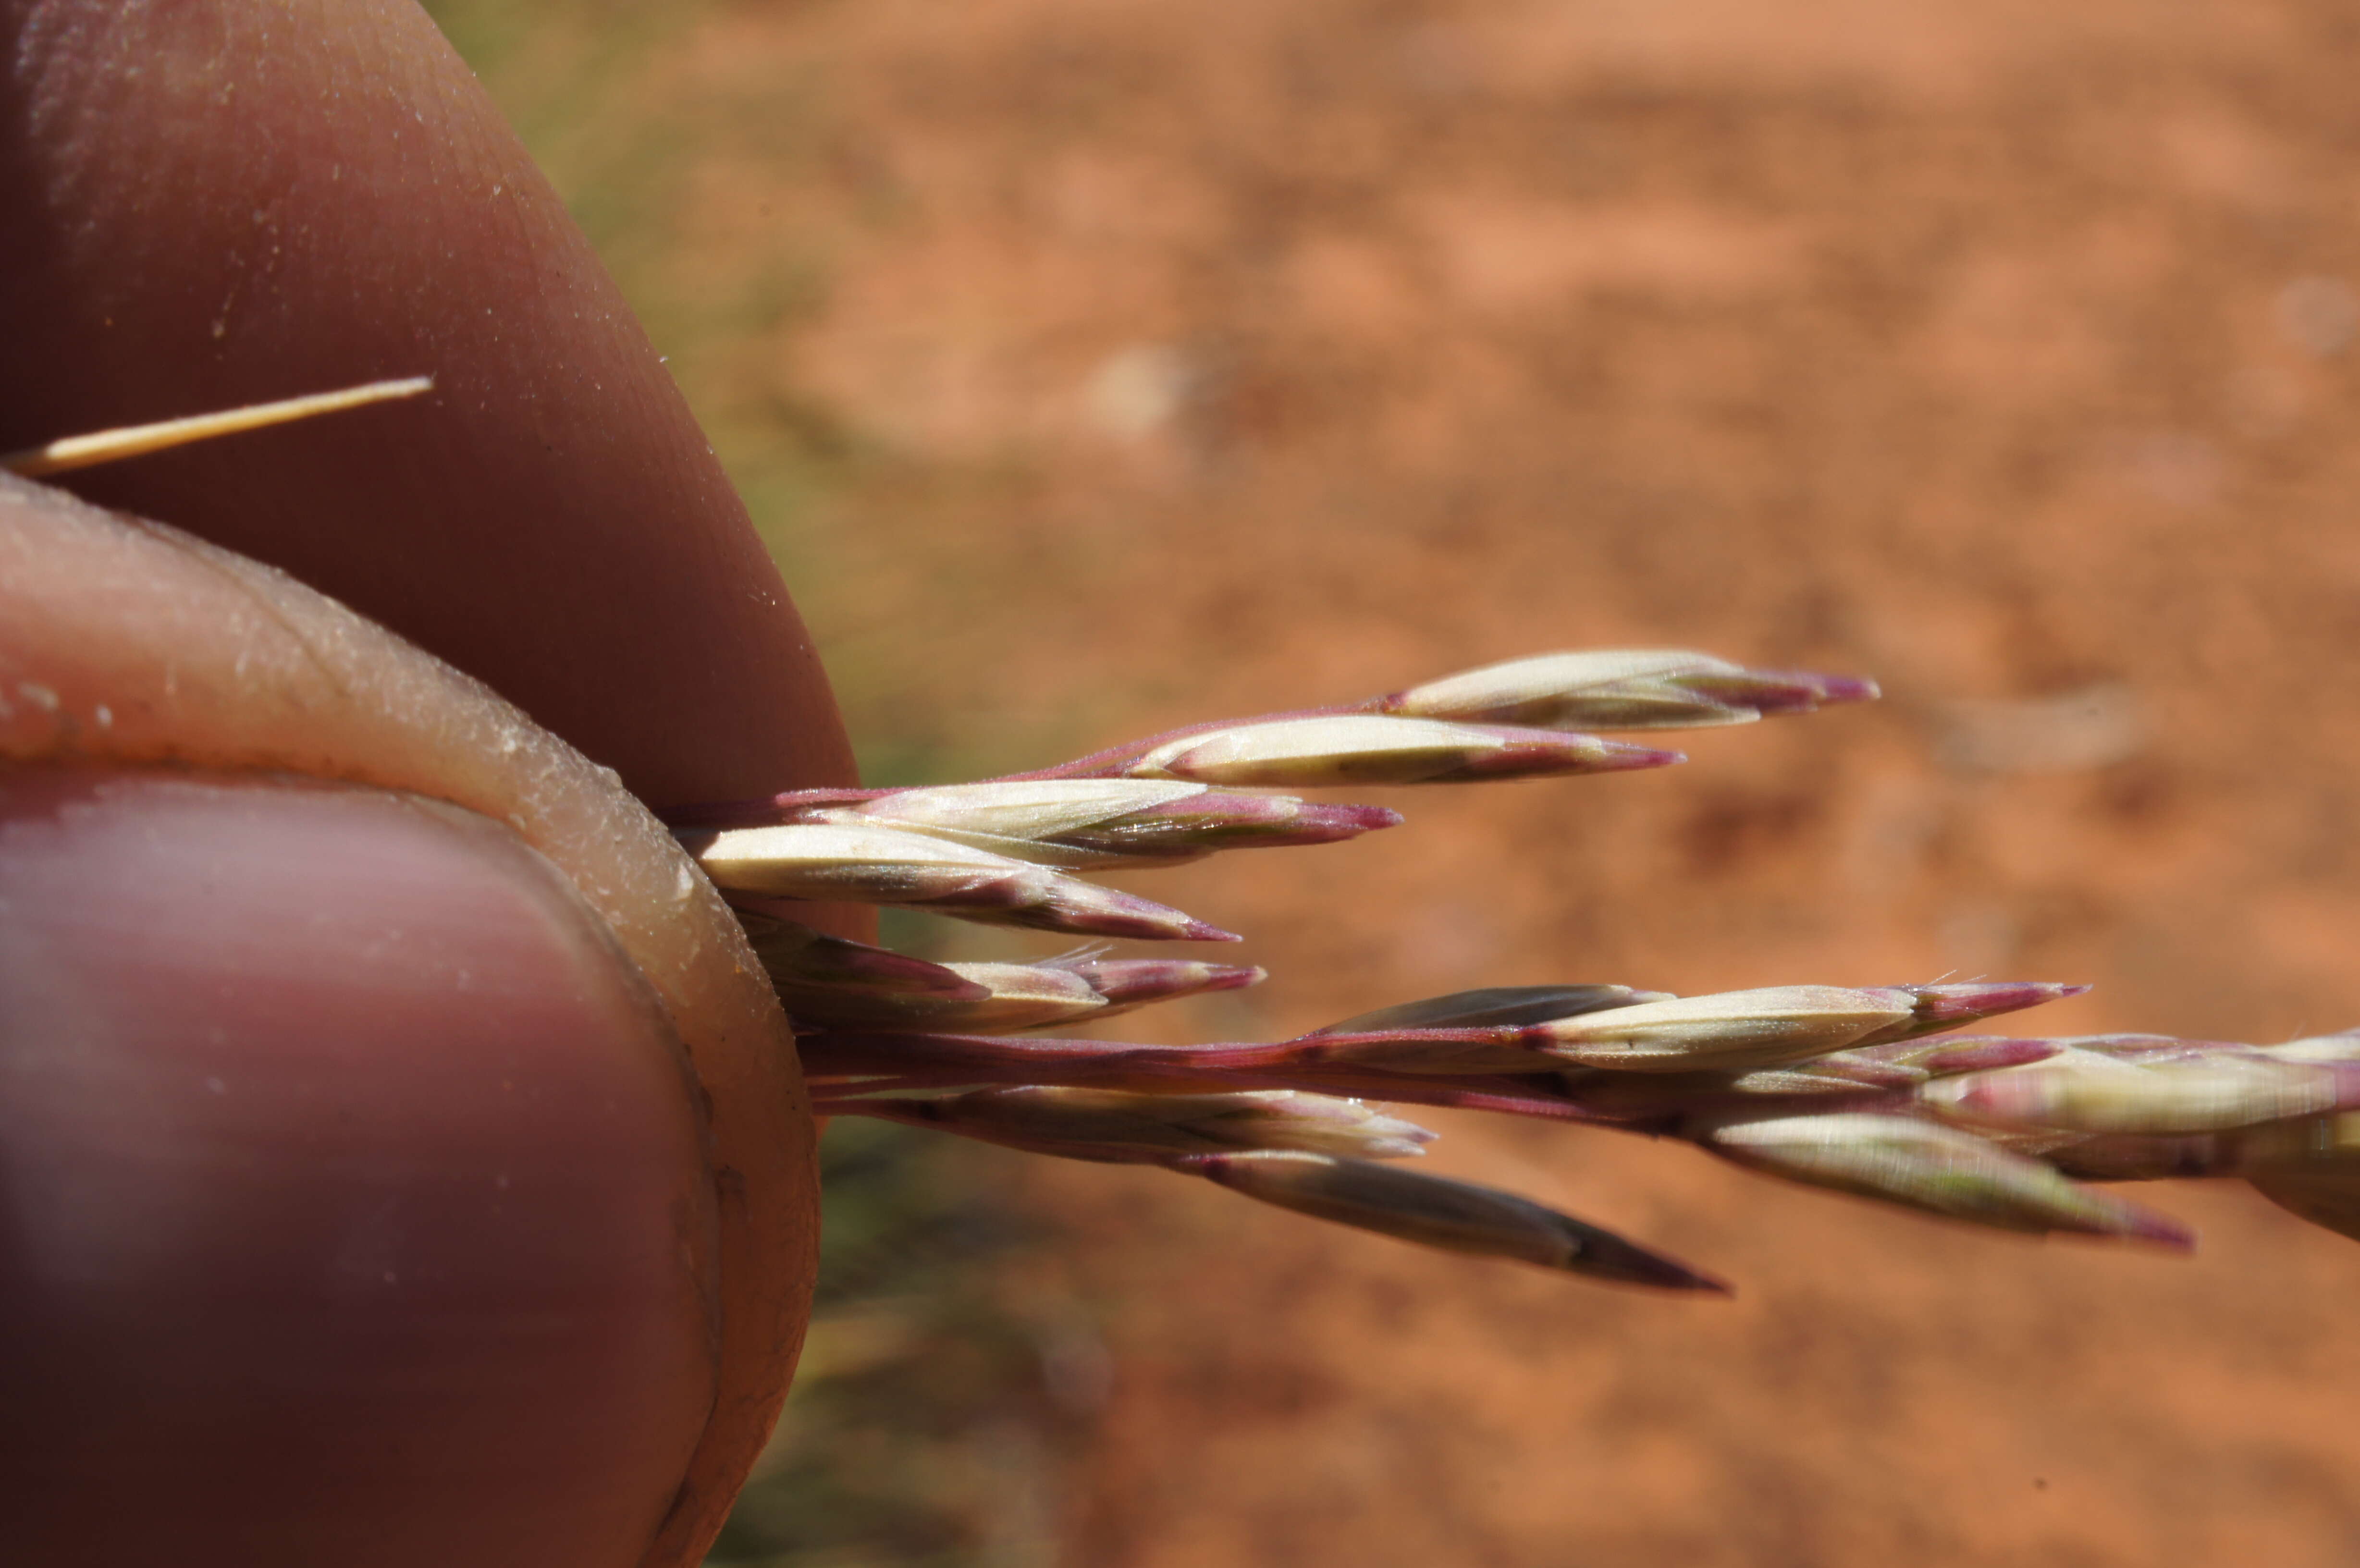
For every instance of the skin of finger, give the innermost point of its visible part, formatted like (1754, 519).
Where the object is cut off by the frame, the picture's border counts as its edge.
(493, 1285)
(212, 204)
(215, 204)
(128, 643)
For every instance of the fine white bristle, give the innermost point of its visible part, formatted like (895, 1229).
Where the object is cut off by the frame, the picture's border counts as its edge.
(137, 440)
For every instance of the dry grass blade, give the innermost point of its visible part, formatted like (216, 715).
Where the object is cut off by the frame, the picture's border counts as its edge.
(137, 440)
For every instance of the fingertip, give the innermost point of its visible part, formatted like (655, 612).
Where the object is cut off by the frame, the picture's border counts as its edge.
(329, 1113)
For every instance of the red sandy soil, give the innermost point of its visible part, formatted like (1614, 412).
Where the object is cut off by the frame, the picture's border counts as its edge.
(1218, 357)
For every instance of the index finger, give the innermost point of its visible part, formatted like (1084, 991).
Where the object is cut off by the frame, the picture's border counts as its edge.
(219, 204)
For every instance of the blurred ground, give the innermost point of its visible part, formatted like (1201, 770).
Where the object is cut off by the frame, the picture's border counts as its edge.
(1100, 366)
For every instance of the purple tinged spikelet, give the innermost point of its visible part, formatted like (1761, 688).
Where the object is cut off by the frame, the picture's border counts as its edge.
(766, 811)
(2342, 1046)
(1217, 820)
(1939, 1170)
(1729, 1030)
(1861, 1072)
(1006, 997)
(2136, 1046)
(1656, 1099)
(871, 864)
(2127, 1157)
(1947, 1057)
(2309, 1167)
(1457, 1216)
(1069, 822)
(1123, 1128)
(1021, 819)
(2087, 1091)
(1088, 909)
(1832, 691)
(942, 1060)
(1371, 749)
(1496, 1030)
(2327, 1195)
(1774, 693)
(794, 956)
(1545, 754)
(1088, 822)
(1902, 1065)
(1939, 1007)
(1776, 1025)
(1641, 689)
(885, 865)
(1494, 1006)
(1001, 998)
(1128, 983)
(1528, 1029)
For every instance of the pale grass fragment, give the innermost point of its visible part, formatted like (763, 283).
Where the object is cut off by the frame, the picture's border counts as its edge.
(137, 440)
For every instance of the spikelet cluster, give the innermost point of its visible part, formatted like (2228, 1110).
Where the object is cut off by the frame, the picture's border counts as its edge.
(1864, 1090)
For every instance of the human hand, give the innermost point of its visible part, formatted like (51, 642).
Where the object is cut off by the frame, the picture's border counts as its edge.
(362, 1209)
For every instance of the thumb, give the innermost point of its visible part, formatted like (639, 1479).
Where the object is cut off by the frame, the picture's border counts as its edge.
(409, 1168)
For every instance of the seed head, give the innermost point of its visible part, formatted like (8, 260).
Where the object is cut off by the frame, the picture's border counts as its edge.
(1827, 1084)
